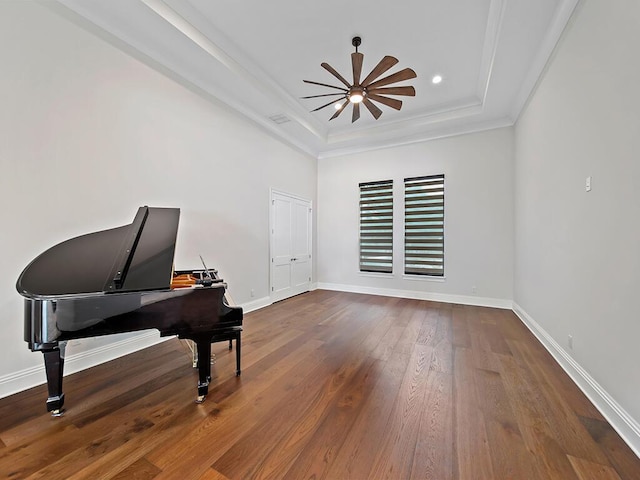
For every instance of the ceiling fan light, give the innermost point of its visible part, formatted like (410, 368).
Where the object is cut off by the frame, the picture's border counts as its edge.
(356, 94)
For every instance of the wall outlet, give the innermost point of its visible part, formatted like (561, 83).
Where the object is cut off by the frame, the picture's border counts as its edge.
(474, 289)
(570, 342)
(587, 184)
(252, 293)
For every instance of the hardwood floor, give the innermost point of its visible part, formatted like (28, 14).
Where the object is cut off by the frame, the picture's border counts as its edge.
(334, 385)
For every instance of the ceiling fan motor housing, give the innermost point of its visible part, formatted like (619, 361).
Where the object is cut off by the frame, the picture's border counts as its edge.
(357, 94)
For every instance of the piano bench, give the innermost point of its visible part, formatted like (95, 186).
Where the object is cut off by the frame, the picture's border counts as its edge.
(228, 334)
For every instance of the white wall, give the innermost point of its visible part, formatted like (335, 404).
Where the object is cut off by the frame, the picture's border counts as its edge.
(478, 171)
(88, 134)
(577, 262)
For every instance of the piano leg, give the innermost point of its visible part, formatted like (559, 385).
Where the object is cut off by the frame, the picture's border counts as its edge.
(54, 367)
(204, 367)
(238, 371)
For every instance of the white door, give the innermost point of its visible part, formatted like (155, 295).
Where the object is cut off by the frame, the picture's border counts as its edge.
(290, 245)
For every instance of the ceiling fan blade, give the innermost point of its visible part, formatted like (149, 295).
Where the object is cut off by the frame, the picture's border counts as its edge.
(356, 63)
(408, 91)
(405, 74)
(325, 85)
(375, 111)
(390, 102)
(333, 72)
(324, 95)
(327, 104)
(383, 65)
(356, 112)
(339, 111)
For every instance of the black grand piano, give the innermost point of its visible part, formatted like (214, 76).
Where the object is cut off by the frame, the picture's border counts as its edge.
(122, 280)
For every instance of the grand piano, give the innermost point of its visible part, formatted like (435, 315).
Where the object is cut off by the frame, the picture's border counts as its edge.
(122, 280)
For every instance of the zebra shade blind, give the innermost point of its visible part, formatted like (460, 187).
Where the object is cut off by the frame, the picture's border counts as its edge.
(424, 225)
(376, 226)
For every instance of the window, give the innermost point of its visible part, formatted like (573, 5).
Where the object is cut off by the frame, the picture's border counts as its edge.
(424, 225)
(376, 226)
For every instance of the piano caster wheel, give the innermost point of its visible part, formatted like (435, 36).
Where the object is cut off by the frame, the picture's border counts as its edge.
(57, 413)
(200, 398)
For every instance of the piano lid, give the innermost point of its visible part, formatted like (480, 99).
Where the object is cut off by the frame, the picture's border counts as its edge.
(134, 257)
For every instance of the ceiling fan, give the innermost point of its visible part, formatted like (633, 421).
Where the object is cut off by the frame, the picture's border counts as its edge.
(368, 90)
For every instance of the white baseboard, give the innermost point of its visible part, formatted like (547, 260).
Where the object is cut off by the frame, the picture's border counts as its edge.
(623, 423)
(21, 380)
(30, 377)
(417, 295)
(256, 304)
(95, 356)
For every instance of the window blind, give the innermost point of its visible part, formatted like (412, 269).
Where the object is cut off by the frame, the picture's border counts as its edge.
(376, 226)
(424, 225)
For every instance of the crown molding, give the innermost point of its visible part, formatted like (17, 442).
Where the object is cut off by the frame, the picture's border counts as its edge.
(419, 137)
(543, 56)
(492, 34)
(197, 37)
(254, 76)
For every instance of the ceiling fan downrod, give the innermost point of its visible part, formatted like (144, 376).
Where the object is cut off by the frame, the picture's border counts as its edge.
(356, 41)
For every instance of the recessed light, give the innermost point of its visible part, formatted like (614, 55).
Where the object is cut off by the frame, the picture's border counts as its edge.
(436, 79)
(338, 106)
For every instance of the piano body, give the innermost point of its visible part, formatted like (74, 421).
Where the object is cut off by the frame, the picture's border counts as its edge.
(120, 280)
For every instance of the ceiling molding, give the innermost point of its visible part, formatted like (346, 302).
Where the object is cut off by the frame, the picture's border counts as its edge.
(63, 8)
(264, 83)
(498, 64)
(425, 136)
(458, 110)
(543, 56)
(492, 34)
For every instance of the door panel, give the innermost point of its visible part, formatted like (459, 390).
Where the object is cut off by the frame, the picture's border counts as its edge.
(281, 245)
(290, 246)
(301, 265)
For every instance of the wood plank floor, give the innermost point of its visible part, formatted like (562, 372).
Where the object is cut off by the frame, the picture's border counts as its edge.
(334, 385)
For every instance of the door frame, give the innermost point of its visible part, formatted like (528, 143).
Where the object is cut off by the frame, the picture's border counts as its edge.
(272, 192)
